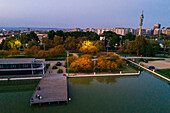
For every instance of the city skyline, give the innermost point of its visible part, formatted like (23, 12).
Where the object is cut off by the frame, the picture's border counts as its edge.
(84, 14)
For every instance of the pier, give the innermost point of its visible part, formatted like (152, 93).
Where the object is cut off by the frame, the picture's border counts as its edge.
(51, 89)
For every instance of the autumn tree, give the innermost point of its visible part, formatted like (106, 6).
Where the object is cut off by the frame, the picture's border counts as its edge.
(83, 64)
(70, 43)
(57, 50)
(4, 53)
(71, 59)
(14, 52)
(58, 40)
(43, 54)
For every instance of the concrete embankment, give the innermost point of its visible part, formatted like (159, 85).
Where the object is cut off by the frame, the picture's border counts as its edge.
(104, 75)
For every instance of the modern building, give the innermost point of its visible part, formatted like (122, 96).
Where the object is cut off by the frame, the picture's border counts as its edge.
(21, 67)
(166, 31)
(90, 30)
(157, 26)
(76, 29)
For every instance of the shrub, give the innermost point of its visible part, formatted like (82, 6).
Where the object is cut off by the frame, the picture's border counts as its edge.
(14, 52)
(58, 64)
(60, 71)
(4, 53)
(54, 67)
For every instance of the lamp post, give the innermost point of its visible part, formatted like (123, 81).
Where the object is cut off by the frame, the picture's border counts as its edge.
(43, 45)
(67, 62)
(107, 46)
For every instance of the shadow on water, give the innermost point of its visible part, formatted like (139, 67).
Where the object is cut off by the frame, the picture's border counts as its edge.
(89, 80)
(18, 86)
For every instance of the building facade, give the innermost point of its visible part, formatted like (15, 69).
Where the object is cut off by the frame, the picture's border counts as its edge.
(22, 67)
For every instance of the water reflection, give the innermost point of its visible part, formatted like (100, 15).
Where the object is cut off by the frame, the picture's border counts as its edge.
(18, 86)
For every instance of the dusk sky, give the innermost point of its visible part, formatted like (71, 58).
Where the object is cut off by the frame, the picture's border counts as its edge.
(83, 13)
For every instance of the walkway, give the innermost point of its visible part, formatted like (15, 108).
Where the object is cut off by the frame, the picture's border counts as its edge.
(150, 71)
(52, 88)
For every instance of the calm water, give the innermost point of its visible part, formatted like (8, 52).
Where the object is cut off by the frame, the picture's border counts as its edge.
(132, 94)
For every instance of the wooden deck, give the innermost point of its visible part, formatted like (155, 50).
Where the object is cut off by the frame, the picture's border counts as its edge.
(53, 88)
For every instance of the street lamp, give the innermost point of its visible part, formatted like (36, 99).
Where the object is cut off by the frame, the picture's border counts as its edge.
(107, 46)
(43, 45)
(67, 62)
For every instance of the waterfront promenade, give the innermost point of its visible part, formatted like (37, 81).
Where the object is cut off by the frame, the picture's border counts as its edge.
(103, 75)
(165, 78)
(51, 88)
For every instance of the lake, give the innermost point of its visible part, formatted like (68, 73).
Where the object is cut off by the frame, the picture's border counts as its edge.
(130, 94)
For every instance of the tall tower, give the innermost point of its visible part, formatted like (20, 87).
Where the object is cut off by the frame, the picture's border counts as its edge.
(141, 23)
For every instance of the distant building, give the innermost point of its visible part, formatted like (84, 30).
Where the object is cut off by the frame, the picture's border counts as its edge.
(40, 36)
(1, 39)
(76, 29)
(166, 31)
(149, 31)
(142, 31)
(22, 67)
(90, 30)
(157, 31)
(157, 26)
(102, 38)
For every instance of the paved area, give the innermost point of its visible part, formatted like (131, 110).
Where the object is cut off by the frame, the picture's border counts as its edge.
(161, 64)
(54, 71)
(52, 88)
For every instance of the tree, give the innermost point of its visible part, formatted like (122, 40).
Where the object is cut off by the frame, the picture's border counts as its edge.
(14, 52)
(112, 38)
(83, 64)
(23, 38)
(58, 40)
(131, 47)
(101, 63)
(51, 34)
(70, 43)
(4, 53)
(99, 45)
(48, 43)
(43, 54)
(130, 36)
(34, 50)
(14, 44)
(33, 43)
(57, 50)
(71, 59)
(166, 44)
(120, 62)
(60, 33)
(33, 36)
(27, 51)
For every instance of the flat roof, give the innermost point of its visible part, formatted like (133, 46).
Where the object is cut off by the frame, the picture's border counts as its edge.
(19, 60)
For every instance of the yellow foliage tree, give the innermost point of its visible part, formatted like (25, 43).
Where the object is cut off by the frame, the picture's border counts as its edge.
(71, 59)
(101, 63)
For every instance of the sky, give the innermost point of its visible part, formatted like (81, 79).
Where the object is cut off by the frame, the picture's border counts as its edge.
(84, 13)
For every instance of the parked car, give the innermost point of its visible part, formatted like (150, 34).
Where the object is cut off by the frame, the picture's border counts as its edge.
(151, 67)
(145, 61)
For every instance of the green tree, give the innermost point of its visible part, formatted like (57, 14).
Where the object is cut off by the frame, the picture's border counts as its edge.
(33, 36)
(51, 34)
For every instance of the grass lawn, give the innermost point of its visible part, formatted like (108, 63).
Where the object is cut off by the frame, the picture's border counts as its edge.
(164, 72)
